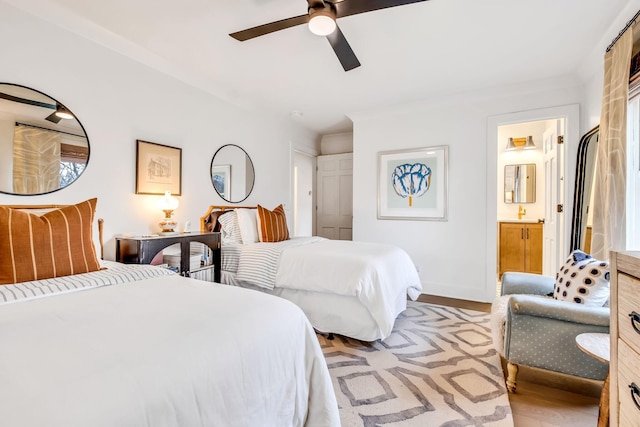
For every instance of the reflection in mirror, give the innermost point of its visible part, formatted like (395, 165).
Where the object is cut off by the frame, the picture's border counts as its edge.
(583, 193)
(43, 147)
(520, 183)
(232, 173)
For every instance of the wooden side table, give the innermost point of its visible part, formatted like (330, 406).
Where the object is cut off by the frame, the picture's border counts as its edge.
(142, 249)
(598, 346)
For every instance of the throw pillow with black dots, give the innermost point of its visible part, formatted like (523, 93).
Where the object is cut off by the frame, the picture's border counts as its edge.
(583, 280)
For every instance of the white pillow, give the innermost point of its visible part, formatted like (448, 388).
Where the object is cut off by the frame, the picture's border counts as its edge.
(248, 225)
(230, 228)
(583, 280)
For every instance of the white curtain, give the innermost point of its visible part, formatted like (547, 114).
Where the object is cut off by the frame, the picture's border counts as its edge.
(36, 160)
(609, 214)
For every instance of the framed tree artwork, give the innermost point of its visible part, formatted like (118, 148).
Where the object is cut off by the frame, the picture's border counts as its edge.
(412, 184)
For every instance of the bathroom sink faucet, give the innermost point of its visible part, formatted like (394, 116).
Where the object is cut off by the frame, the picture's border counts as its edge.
(521, 212)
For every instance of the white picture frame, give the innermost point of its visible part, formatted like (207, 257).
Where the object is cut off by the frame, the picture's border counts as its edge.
(412, 184)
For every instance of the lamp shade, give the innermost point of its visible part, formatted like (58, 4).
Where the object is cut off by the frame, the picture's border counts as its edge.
(529, 144)
(520, 143)
(168, 202)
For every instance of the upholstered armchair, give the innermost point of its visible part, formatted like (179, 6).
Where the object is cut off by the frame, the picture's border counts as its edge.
(532, 329)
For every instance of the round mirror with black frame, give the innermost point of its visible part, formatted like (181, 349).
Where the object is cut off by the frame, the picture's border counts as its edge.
(232, 173)
(43, 146)
(583, 192)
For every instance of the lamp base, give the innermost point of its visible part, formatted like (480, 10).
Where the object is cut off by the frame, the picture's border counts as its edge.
(168, 233)
(168, 226)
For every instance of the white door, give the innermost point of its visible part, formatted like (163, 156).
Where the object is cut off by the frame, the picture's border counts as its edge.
(303, 171)
(553, 230)
(334, 216)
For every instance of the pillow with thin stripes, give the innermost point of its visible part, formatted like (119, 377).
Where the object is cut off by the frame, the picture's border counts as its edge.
(230, 228)
(272, 225)
(58, 243)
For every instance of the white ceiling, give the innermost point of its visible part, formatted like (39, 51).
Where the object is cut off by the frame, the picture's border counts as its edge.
(408, 53)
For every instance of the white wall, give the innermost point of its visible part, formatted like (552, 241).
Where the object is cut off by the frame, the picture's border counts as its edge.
(452, 254)
(118, 101)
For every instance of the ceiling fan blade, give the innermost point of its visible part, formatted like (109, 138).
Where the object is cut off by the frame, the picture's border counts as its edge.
(53, 118)
(343, 50)
(353, 7)
(26, 101)
(261, 30)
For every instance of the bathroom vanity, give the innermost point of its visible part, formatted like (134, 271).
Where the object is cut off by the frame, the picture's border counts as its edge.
(520, 246)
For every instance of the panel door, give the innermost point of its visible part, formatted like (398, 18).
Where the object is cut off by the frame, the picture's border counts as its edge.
(554, 189)
(335, 196)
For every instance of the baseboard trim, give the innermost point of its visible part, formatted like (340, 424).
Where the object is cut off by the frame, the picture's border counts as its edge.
(455, 302)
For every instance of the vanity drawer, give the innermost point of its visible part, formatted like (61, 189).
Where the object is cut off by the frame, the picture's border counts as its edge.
(629, 310)
(628, 374)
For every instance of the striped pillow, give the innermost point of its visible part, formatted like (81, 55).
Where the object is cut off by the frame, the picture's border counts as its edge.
(230, 228)
(272, 225)
(58, 243)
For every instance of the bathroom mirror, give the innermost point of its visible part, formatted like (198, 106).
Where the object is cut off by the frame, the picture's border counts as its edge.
(520, 183)
(232, 173)
(583, 191)
(43, 147)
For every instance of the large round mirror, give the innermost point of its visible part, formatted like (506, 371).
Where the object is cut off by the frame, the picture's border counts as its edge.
(583, 194)
(232, 173)
(43, 147)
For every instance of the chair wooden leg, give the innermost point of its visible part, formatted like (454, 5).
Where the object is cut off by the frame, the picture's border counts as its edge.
(512, 374)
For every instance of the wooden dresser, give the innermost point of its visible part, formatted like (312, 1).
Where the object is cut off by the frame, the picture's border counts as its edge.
(625, 339)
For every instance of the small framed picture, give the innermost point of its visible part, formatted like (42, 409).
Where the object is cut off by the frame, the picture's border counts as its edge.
(412, 184)
(158, 169)
(221, 179)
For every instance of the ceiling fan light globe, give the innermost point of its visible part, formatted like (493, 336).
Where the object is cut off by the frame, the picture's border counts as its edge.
(64, 115)
(322, 25)
(62, 112)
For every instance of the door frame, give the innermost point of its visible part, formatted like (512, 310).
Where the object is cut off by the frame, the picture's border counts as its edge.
(571, 115)
(309, 152)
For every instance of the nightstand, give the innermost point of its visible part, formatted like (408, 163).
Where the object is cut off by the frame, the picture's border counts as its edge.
(142, 249)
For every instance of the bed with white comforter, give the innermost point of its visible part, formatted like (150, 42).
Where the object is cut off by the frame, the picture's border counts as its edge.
(137, 346)
(356, 289)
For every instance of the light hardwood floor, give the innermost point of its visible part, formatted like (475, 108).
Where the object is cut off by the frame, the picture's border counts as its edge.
(543, 400)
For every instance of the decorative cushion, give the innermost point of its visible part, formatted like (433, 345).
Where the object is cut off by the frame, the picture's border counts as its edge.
(230, 228)
(248, 225)
(211, 222)
(272, 225)
(58, 243)
(583, 279)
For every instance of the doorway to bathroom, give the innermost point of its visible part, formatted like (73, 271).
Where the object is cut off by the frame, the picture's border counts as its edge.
(527, 223)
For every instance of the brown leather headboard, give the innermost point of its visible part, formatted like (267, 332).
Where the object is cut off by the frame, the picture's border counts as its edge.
(209, 221)
(41, 209)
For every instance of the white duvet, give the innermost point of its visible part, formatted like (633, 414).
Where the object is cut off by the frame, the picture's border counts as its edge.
(165, 351)
(379, 276)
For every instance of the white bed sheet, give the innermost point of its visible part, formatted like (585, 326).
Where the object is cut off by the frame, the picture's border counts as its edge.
(166, 351)
(327, 312)
(372, 276)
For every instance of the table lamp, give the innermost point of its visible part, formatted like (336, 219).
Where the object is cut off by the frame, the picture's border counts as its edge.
(168, 204)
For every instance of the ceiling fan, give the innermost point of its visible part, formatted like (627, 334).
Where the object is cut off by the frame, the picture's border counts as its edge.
(61, 112)
(321, 17)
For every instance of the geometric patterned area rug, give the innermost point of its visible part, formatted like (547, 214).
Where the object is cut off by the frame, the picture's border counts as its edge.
(438, 368)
